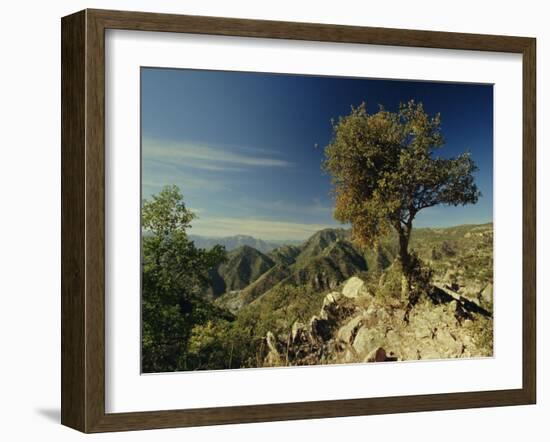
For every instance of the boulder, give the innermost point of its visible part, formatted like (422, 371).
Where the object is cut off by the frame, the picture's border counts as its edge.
(349, 330)
(337, 308)
(354, 288)
(367, 339)
(448, 344)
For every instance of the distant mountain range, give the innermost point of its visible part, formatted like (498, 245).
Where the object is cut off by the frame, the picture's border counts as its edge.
(236, 241)
(324, 261)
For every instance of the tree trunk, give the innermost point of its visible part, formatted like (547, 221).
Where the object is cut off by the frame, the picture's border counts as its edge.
(404, 251)
(405, 260)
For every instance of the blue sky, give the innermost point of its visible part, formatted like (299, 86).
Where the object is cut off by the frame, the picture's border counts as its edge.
(241, 146)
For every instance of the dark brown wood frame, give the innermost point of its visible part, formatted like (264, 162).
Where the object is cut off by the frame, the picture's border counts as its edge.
(83, 216)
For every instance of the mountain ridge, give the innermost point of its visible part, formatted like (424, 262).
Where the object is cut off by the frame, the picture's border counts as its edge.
(329, 257)
(235, 241)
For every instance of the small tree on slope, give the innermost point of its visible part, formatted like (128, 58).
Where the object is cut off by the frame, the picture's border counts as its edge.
(384, 172)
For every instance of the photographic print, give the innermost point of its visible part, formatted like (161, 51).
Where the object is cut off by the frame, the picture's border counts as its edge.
(296, 220)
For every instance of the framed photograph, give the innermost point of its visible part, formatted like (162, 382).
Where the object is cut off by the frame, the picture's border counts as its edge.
(268, 220)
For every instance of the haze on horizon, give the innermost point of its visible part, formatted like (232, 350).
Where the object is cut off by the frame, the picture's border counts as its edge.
(241, 146)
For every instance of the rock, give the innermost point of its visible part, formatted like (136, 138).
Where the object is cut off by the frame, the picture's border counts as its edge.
(349, 330)
(329, 304)
(427, 353)
(366, 339)
(471, 289)
(449, 345)
(442, 325)
(474, 300)
(353, 288)
(348, 356)
(394, 341)
(462, 314)
(331, 298)
(454, 286)
(337, 308)
(271, 342)
(423, 333)
(273, 357)
(487, 294)
(450, 276)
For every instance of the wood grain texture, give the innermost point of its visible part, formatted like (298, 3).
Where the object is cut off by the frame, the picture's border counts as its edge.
(73, 255)
(529, 221)
(95, 222)
(144, 21)
(83, 220)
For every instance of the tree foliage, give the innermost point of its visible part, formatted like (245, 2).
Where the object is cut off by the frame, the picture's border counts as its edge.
(384, 171)
(174, 273)
(181, 329)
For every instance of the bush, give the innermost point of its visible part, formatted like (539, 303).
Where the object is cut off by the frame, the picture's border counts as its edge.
(219, 344)
(174, 273)
(447, 249)
(223, 344)
(420, 278)
(390, 283)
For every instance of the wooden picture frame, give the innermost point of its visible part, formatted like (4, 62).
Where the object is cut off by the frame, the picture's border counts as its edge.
(83, 220)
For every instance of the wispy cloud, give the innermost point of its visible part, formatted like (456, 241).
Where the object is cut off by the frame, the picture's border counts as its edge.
(315, 207)
(203, 173)
(206, 157)
(264, 229)
(156, 175)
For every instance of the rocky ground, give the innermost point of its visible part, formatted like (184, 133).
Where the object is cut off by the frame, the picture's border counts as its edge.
(357, 323)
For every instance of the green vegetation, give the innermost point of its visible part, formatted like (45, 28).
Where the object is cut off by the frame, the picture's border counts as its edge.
(242, 267)
(463, 251)
(205, 309)
(174, 273)
(185, 327)
(384, 172)
(181, 328)
(239, 343)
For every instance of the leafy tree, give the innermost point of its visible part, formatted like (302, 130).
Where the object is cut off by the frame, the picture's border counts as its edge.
(221, 344)
(238, 343)
(384, 172)
(174, 273)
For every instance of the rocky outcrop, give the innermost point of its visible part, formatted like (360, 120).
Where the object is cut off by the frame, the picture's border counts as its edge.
(354, 288)
(356, 325)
